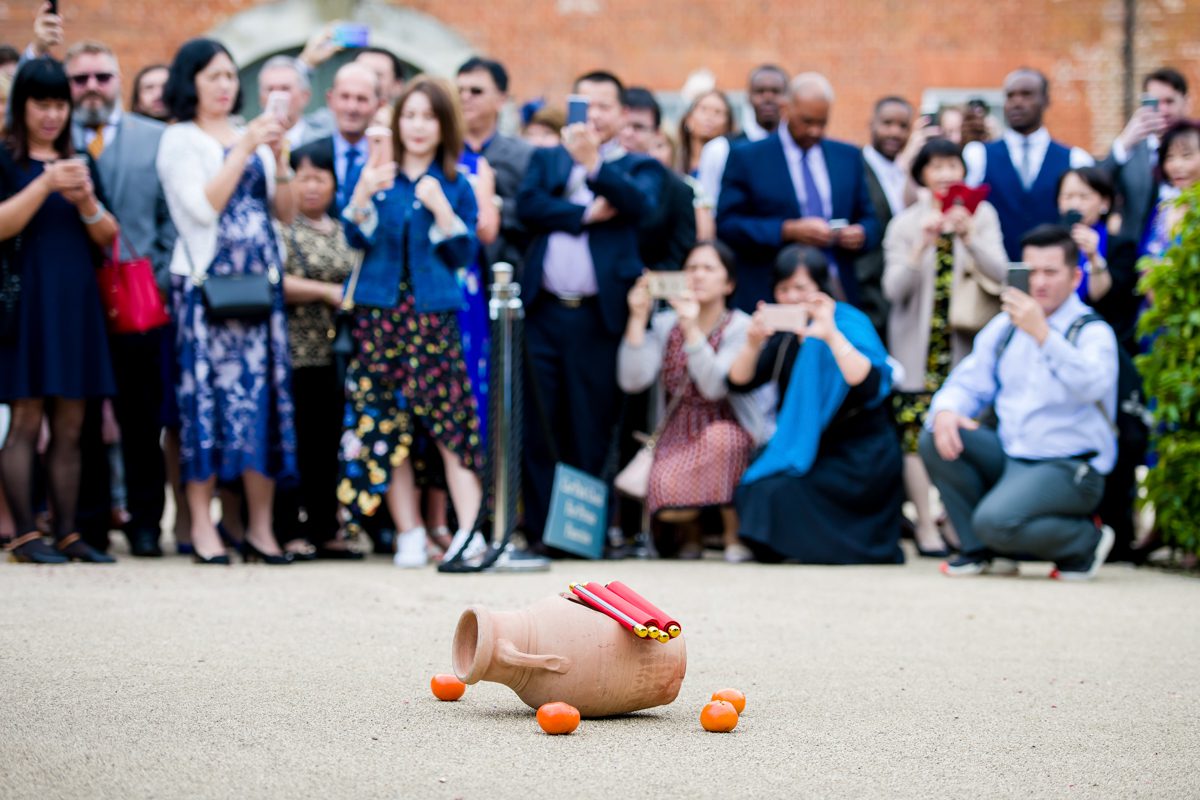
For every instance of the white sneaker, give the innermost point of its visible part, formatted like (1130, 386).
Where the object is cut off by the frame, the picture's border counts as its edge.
(475, 548)
(1086, 573)
(410, 549)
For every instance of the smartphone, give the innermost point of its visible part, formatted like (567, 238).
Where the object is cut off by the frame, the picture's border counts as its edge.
(53, 6)
(836, 225)
(665, 285)
(790, 318)
(278, 103)
(350, 35)
(1071, 218)
(1150, 102)
(379, 143)
(577, 109)
(1018, 276)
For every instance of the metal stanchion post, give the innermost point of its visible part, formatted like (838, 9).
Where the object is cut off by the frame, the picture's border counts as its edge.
(507, 314)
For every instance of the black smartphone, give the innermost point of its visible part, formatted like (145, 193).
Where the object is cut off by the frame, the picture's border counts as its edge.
(577, 109)
(1018, 276)
(53, 6)
(1071, 217)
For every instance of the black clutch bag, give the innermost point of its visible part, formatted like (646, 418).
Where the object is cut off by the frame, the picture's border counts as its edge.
(10, 290)
(248, 297)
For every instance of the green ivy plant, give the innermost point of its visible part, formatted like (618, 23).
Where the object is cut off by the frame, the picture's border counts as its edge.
(1171, 375)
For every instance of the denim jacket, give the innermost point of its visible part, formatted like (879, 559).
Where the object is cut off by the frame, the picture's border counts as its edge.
(402, 227)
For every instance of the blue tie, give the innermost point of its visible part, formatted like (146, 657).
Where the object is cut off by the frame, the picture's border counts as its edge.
(813, 207)
(353, 170)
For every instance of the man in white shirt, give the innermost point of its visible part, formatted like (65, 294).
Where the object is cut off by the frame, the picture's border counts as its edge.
(1049, 368)
(1023, 168)
(1134, 154)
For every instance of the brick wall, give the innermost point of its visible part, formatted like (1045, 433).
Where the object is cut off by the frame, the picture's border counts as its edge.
(867, 47)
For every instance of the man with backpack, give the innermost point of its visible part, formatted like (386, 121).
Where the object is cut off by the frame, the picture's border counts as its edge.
(1048, 365)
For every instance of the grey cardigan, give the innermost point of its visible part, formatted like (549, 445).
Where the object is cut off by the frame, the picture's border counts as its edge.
(638, 367)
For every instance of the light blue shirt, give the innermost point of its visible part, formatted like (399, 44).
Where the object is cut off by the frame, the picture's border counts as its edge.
(568, 269)
(1049, 397)
(816, 164)
(340, 146)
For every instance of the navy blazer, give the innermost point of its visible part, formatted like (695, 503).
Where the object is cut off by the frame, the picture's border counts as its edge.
(631, 184)
(757, 197)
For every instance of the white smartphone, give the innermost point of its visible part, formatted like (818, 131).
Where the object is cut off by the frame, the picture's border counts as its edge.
(780, 317)
(665, 285)
(278, 103)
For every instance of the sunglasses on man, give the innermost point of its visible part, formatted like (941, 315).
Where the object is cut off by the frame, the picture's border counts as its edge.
(102, 78)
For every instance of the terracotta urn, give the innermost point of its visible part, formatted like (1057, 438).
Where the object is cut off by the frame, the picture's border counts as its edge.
(561, 650)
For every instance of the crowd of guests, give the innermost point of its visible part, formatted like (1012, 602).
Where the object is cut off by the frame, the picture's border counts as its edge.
(951, 306)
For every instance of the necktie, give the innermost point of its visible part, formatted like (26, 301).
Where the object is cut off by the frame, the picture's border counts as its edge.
(813, 207)
(1026, 166)
(353, 170)
(96, 146)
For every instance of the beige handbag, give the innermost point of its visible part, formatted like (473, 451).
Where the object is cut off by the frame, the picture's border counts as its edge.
(634, 480)
(973, 303)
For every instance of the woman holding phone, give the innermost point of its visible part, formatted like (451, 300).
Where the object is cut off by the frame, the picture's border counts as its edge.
(944, 266)
(706, 435)
(827, 488)
(223, 185)
(414, 216)
(54, 346)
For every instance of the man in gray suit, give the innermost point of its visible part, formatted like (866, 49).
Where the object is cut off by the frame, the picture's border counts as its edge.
(1134, 156)
(483, 90)
(125, 147)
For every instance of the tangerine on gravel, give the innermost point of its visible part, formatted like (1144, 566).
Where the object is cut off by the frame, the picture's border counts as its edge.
(447, 687)
(719, 716)
(733, 697)
(556, 718)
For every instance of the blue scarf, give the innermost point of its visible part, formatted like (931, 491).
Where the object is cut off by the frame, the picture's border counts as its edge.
(814, 395)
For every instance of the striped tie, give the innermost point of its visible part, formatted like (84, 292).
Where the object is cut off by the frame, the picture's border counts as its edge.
(96, 146)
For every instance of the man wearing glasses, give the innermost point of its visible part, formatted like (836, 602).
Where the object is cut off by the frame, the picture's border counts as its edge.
(483, 91)
(124, 147)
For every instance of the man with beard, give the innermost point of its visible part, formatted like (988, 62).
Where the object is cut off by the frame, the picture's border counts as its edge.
(768, 85)
(887, 178)
(125, 147)
(1024, 166)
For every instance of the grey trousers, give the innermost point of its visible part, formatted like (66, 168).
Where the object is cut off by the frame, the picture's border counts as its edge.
(1038, 510)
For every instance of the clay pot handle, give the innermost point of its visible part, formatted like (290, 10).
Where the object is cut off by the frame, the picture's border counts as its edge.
(507, 653)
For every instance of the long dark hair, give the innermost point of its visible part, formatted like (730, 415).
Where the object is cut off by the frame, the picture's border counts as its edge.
(685, 133)
(135, 100)
(38, 79)
(802, 256)
(180, 92)
(445, 107)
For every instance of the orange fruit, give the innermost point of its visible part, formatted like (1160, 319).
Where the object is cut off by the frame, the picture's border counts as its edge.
(733, 697)
(447, 687)
(719, 716)
(558, 718)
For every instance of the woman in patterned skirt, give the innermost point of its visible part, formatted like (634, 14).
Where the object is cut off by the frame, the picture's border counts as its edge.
(705, 440)
(234, 382)
(943, 270)
(415, 218)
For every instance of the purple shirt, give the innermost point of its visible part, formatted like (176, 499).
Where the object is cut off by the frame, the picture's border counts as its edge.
(568, 269)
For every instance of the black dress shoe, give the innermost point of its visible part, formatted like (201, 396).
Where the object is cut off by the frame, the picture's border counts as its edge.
(32, 549)
(144, 544)
(75, 548)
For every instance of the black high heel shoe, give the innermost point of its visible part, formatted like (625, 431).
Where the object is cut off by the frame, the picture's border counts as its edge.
(252, 553)
(221, 560)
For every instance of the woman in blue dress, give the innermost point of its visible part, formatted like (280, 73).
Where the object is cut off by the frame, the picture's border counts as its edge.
(53, 345)
(234, 384)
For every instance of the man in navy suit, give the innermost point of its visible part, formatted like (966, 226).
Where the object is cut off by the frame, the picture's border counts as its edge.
(582, 202)
(794, 186)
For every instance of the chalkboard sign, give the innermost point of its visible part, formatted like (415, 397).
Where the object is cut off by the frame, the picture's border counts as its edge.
(578, 513)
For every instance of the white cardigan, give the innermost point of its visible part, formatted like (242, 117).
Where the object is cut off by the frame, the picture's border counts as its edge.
(188, 160)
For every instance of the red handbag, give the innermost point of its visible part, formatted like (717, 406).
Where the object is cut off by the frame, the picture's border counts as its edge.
(130, 293)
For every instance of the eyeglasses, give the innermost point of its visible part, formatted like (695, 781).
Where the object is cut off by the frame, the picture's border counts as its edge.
(101, 78)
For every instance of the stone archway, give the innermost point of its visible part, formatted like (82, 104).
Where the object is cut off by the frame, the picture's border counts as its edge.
(417, 38)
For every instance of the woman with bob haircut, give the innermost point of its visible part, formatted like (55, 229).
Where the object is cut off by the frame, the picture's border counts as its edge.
(234, 382)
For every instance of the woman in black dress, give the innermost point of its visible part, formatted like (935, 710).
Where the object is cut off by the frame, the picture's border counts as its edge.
(55, 355)
(827, 489)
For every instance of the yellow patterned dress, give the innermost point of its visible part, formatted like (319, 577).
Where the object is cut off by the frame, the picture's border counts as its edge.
(911, 407)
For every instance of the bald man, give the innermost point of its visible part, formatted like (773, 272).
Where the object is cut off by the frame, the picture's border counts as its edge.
(796, 186)
(353, 100)
(1024, 166)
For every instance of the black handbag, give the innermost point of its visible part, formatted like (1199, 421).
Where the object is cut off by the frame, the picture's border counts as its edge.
(10, 290)
(245, 297)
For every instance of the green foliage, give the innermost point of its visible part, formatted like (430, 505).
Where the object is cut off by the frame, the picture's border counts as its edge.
(1171, 373)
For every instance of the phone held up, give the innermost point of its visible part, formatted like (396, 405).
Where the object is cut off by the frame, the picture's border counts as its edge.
(278, 103)
(577, 109)
(1018, 276)
(349, 35)
(1071, 217)
(1150, 102)
(789, 318)
(666, 285)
